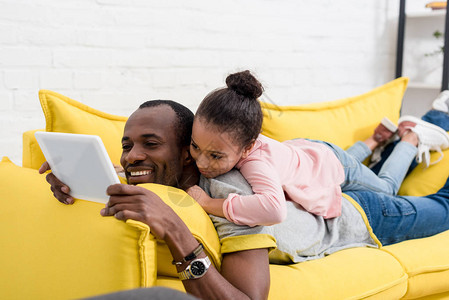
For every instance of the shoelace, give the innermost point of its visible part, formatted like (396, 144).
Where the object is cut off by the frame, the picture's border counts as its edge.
(424, 153)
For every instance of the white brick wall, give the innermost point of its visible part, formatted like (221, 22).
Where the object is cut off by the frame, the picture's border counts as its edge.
(114, 54)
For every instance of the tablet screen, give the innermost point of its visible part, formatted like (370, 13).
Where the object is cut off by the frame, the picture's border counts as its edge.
(81, 162)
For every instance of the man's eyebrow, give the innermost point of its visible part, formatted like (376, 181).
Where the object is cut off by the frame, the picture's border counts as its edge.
(147, 135)
(151, 135)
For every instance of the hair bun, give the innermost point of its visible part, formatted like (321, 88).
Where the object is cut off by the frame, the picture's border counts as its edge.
(245, 84)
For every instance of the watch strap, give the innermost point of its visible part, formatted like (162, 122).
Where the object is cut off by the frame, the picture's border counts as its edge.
(194, 254)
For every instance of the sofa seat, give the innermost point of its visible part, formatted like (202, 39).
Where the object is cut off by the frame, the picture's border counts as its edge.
(414, 269)
(337, 276)
(426, 262)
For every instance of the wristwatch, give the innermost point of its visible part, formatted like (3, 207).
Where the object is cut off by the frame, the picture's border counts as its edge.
(196, 269)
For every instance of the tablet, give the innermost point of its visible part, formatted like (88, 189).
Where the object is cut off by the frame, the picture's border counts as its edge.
(81, 162)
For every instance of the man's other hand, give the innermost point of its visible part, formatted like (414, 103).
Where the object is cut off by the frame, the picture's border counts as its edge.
(59, 189)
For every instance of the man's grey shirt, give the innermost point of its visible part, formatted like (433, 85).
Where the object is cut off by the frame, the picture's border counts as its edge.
(302, 235)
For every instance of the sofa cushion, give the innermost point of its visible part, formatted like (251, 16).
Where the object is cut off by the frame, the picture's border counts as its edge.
(63, 114)
(342, 122)
(356, 273)
(425, 181)
(426, 262)
(52, 250)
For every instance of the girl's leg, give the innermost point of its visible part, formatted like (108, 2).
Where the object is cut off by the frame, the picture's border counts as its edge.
(413, 132)
(397, 165)
(360, 177)
(360, 151)
(395, 218)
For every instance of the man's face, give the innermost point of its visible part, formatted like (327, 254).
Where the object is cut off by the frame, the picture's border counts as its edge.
(150, 150)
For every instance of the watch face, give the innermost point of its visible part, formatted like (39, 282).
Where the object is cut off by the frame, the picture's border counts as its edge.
(197, 268)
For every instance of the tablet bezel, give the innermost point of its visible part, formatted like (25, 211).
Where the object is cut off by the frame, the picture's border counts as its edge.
(87, 178)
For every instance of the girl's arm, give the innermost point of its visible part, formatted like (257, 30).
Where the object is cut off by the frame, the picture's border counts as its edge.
(265, 207)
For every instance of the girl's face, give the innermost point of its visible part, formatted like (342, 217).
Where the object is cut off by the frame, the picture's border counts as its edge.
(215, 153)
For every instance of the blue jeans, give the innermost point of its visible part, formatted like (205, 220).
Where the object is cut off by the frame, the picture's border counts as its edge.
(398, 218)
(360, 177)
(438, 118)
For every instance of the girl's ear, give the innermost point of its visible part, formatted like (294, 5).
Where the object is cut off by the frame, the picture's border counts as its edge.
(248, 148)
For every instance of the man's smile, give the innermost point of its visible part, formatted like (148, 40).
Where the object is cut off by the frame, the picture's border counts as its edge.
(140, 173)
(137, 175)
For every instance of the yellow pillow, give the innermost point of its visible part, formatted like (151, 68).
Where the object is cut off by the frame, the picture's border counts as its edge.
(423, 182)
(63, 114)
(342, 122)
(54, 251)
(32, 156)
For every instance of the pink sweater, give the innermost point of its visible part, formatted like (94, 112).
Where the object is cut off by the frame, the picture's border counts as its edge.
(306, 172)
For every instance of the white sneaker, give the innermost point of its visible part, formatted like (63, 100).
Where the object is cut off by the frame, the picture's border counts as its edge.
(441, 103)
(431, 138)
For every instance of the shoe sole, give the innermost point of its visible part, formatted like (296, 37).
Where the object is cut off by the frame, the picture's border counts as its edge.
(426, 124)
(388, 124)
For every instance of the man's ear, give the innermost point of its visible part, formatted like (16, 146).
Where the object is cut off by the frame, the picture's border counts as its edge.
(248, 148)
(185, 156)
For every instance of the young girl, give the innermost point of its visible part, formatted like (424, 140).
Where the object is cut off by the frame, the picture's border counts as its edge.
(226, 135)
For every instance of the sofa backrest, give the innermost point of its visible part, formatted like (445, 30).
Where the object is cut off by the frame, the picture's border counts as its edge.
(342, 122)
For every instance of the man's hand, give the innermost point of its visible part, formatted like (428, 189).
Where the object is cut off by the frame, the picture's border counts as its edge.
(59, 189)
(137, 203)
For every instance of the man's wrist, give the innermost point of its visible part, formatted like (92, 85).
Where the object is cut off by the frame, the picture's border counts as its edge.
(179, 240)
(191, 256)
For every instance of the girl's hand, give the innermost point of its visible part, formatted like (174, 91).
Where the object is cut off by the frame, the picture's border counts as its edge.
(199, 195)
(210, 205)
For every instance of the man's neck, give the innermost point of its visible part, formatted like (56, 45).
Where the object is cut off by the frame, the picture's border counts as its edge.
(190, 177)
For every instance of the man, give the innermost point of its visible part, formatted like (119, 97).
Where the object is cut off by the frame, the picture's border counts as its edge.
(155, 149)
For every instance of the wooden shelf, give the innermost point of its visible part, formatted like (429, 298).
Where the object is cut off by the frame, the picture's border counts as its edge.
(427, 14)
(423, 85)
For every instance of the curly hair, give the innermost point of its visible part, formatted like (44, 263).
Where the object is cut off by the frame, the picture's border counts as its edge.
(235, 109)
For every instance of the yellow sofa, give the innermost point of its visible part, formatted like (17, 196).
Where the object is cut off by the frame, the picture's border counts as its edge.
(54, 251)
